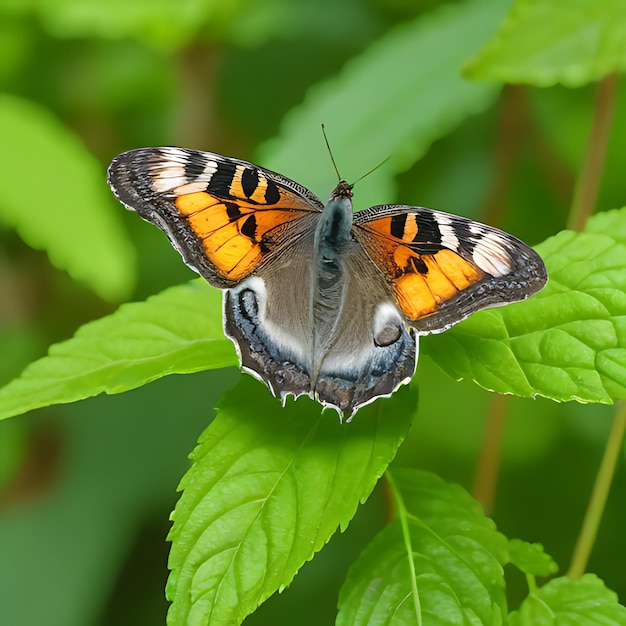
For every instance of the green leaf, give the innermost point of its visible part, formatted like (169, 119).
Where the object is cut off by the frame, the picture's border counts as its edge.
(54, 195)
(531, 559)
(563, 601)
(568, 342)
(455, 566)
(544, 43)
(612, 223)
(267, 489)
(178, 331)
(155, 21)
(379, 77)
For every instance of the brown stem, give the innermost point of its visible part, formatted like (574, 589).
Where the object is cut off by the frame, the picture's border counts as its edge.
(511, 132)
(486, 479)
(195, 122)
(588, 182)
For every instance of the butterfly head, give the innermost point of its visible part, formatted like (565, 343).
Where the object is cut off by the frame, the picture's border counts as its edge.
(342, 190)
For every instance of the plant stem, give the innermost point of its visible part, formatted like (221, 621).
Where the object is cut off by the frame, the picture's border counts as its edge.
(486, 478)
(588, 182)
(597, 502)
(195, 112)
(531, 581)
(511, 132)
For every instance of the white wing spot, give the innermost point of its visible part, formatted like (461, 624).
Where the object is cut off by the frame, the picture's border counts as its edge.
(385, 313)
(169, 177)
(190, 188)
(209, 169)
(448, 236)
(491, 255)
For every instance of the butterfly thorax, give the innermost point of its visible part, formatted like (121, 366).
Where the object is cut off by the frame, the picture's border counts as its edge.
(332, 234)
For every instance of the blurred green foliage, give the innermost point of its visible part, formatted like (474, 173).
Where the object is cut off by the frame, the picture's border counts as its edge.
(86, 489)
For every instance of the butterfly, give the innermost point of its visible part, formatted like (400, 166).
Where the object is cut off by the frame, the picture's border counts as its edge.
(320, 300)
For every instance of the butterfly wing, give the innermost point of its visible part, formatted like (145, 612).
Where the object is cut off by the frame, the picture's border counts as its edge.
(245, 229)
(442, 268)
(226, 217)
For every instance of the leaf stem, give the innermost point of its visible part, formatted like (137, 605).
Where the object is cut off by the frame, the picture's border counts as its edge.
(590, 175)
(597, 502)
(402, 515)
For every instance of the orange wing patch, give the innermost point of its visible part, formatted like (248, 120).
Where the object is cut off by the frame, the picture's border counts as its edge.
(419, 259)
(234, 235)
(424, 282)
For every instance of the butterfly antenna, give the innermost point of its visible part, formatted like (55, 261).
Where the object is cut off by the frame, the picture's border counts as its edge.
(332, 158)
(372, 170)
